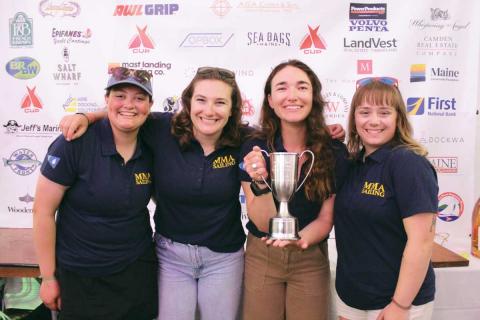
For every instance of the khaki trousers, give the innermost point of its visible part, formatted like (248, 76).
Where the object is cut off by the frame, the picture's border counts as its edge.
(285, 283)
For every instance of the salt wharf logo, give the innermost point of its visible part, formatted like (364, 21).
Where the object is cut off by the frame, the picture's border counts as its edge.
(223, 162)
(66, 73)
(156, 9)
(141, 42)
(373, 189)
(21, 31)
(312, 42)
(368, 17)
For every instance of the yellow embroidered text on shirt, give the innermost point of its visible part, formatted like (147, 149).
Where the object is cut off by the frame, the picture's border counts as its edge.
(374, 189)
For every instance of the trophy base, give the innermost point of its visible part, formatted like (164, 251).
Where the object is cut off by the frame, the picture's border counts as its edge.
(283, 228)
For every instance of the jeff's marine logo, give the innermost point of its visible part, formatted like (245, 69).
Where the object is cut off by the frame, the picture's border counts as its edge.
(374, 189)
(223, 162)
(22, 161)
(11, 126)
(143, 178)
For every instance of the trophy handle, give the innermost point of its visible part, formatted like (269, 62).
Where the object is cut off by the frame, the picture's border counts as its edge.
(309, 169)
(268, 156)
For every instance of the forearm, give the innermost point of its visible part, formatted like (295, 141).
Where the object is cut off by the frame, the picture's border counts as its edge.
(316, 231)
(44, 233)
(96, 115)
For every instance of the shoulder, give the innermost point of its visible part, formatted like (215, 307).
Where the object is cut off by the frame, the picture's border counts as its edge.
(405, 162)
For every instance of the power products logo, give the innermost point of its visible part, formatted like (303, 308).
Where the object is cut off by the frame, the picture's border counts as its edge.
(450, 206)
(368, 17)
(141, 42)
(156, 9)
(21, 30)
(435, 106)
(30, 102)
(312, 42)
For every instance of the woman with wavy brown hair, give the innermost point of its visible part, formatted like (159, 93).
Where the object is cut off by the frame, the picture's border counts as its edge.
(291, 279)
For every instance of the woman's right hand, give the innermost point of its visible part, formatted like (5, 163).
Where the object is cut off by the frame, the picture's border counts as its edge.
(73, 126)
(255, 165)
(50, 294)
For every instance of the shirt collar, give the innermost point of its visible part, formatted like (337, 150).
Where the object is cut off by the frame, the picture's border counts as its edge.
(107, 142)
(278, 142)
(378, 155)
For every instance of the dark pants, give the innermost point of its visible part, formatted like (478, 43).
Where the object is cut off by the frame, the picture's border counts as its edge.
(128, 294)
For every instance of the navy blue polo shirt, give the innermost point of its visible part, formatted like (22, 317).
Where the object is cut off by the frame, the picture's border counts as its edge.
(103, 223)
(390, 185)
(197, 196)
(299, 206)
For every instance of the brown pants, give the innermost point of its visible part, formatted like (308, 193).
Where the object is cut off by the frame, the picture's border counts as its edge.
(286, 283)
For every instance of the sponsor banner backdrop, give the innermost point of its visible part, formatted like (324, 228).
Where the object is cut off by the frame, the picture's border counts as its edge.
(55, 57)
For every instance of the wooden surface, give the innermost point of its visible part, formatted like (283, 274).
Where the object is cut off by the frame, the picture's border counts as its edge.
(17, 256)
(443, 257)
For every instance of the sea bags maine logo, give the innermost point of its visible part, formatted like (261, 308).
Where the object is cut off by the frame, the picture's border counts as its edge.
(21, 30)
(368, 17)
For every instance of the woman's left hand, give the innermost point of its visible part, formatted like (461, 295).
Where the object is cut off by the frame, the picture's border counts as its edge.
(300, 243)
(336, 132)
(393, 312)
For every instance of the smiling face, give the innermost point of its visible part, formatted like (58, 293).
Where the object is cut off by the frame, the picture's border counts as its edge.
(375, 125)
(127, 107)
(291, 96)
(211, 107)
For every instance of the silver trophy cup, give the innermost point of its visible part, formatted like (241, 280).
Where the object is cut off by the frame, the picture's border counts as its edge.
(284, 178)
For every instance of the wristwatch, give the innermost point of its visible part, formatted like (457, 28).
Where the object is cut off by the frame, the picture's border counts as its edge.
(257, 191)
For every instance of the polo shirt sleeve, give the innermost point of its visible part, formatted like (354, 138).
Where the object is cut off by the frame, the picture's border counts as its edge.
(154, 128)
(60, 163)
(245, 149)
(415, 183)
(341, 164)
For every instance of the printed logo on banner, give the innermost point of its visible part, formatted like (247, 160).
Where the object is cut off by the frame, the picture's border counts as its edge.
(157, 9)
(248, 109)
(26, 198)
(430, 139)
(30, 130)
(69, 36)
(155, 68)
(30, 102)
(368, 17)
(312, 42)
(417, 73)
(21, 30)
(23, 68)
(24, 209)
(370, 45)
(336, 105)
(437, 46)
(190, 72)
(206, 40)
(439, 19)
(141, 42)
(66, 73)
(436, 106)
(444, 164)
(269, 39)
(79, 104)
(59, 8)
(220, 8)
(171, 104)
(364, 66)
(268, 6)
(450, 206)
(22, 162)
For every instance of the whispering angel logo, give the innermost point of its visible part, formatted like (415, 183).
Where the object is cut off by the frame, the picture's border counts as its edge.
(439, 14)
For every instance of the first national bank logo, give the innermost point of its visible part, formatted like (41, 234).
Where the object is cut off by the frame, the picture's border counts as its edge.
(312, 42)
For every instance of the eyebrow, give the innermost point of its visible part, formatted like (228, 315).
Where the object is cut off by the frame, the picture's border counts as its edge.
(298, 83)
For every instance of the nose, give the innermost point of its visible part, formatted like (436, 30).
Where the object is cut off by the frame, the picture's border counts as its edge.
(292, 94)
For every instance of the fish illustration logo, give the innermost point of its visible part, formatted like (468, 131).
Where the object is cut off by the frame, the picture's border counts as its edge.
(22, 161)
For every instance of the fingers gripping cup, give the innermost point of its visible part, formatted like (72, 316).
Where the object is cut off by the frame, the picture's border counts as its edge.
(284, 179)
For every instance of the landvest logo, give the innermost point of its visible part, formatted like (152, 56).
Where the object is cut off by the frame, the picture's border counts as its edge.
(59, 8)
(368, 17)
(207, 40)
(21, 30)
(156, 9)
(22, 161)
(450, 206)
(269, 39)
(141, 42)
(364, 67)
(30, 102)
(374, 189)
(312, 42)
(223, 162)
(23, 68)
(370, 44)
(220, 8)
(436, 106)
(417, 73)
(444, 164)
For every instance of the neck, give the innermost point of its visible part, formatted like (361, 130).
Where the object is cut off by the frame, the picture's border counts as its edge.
(294, 138)
(208, 143)
(125, 143)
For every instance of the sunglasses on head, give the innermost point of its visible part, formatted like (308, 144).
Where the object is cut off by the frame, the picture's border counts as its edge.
(385, 80)
(121, 73)
(223, 72)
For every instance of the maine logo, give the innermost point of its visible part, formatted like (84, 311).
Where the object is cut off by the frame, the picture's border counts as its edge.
(374, 189)
(312, 42)
(221, 8)
(21, 30)
(30, 102)
(141, 42)
(450, 206)
(157, 9)
(22, 161)
(417, 72)
(223, 162)
(364, 66)
(444, 164)
(143, 178)
(368, 17)
(415, 106)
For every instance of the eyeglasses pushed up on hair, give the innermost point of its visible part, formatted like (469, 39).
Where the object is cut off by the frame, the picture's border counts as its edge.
(385, 80)
(223, 72)
(122, 73)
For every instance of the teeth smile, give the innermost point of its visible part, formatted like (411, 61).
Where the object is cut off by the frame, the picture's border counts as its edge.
(292, 107)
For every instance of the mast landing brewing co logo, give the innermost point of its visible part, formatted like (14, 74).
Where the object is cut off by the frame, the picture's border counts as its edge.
(312, 42)
(368, 17)
(59, 8)
(21, 31)
(141, 42)
(450, 206)
(22, 162)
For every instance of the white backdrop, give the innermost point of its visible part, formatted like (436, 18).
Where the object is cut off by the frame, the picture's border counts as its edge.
(56, 55)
